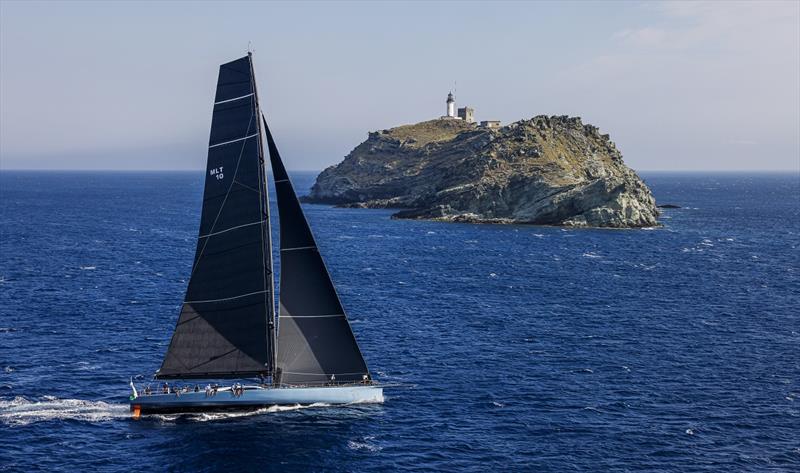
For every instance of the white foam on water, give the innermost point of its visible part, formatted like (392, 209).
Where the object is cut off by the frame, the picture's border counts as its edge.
(364, 443)
(214, 416)
(86, 366)
(88, 268)
(8, 369)
(591, 254)
(22, 411)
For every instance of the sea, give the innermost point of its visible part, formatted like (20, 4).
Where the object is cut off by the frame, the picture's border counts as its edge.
(505, 347)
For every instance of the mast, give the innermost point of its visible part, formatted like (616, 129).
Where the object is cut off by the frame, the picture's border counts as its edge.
(269, 280)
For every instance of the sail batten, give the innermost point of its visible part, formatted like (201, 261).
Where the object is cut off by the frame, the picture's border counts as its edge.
(315, 342)
(233, 141)
(223, 327)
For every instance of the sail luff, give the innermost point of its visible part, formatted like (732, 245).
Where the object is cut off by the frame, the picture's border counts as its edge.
(269, 280)
(315, 341)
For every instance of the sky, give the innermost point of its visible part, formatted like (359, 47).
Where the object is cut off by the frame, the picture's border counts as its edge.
(130, 85)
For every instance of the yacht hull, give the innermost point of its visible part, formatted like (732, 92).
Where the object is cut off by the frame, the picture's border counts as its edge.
(254, 398)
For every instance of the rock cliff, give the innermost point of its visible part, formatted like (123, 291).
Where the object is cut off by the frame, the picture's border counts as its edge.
(546, 170)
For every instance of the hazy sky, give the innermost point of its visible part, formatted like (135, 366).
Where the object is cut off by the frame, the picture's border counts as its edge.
(679, 86)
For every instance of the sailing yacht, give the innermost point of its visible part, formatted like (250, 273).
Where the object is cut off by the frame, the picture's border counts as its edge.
(228, 328)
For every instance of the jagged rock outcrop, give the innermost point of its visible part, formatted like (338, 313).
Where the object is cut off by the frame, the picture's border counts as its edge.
(546, 170)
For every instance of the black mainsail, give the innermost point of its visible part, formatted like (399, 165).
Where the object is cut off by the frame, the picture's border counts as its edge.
(315, 342)
(225, 328)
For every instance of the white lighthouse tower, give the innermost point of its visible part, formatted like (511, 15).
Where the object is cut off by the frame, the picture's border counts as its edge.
(451, 106)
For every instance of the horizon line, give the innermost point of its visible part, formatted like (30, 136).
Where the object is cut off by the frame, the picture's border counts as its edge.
(743, 170)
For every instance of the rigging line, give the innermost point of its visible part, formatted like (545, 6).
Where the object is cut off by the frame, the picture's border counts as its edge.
(266, 252)
(232, 228)
(181, 322)
(222, 206)
(175, 357)
(323, 374)
(309, 316)
(212, 359)
(235, 98)
(299, 248)
(225, 298)
(247, 187)
(198, 316)
(237, 139)
(273, 320)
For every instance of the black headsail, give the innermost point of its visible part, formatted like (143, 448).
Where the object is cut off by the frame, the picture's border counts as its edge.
(225, 326)
(315, 342)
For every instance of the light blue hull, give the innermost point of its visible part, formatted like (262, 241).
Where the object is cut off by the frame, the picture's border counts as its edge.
(254, 397)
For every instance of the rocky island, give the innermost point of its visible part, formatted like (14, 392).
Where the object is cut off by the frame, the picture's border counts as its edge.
(547, 170)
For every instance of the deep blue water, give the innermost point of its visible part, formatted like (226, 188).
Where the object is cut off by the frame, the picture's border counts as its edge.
(516, 348)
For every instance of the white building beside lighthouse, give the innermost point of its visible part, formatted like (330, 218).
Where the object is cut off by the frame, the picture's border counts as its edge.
(465, 113)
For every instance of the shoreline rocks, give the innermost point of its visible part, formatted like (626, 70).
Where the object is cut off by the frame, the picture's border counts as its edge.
(545, 170)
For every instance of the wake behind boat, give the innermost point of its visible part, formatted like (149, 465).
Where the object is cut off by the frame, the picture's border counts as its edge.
(228, 328)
